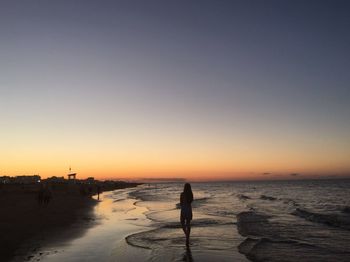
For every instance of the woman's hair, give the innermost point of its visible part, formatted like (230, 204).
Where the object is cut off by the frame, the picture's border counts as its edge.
(188, 193)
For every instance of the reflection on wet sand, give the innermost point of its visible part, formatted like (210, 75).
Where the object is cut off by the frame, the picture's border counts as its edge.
(106, 240)
(187, 256)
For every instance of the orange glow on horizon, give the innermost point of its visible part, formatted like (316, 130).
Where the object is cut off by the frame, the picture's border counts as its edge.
(191, 157)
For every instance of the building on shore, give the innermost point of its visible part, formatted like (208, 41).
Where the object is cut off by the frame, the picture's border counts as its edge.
(5, 179)
(25, 179)
(89, 180)
(55, 179)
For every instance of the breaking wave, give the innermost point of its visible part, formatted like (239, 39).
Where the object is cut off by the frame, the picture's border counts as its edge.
(271, 198)
(328, 219)
(243, 197)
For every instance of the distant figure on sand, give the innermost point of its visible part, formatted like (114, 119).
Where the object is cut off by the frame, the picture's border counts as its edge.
(47, 195)
(186, 199)
(98, 192)
(41, 194)
(44, 195)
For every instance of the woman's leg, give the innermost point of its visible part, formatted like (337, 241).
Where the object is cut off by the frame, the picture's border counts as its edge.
(188, 231)
(183, 224)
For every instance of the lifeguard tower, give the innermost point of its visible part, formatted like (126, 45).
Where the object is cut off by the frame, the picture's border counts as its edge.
(71, 176)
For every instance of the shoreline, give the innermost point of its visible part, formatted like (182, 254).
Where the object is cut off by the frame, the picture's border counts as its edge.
(25, 225)
(116, 218)
(114, 221)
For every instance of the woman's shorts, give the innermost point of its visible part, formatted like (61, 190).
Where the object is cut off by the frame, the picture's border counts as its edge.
(186, 213)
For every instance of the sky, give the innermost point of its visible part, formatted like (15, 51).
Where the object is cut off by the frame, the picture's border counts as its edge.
(175, 89)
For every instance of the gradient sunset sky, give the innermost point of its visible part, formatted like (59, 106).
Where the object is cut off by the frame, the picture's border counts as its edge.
(190, 89)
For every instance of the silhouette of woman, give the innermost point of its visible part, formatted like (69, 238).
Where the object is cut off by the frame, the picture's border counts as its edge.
(186, 199)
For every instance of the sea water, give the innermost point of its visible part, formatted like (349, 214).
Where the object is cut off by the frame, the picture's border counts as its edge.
(276, 220)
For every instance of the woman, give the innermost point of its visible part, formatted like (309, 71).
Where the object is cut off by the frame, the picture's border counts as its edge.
(186, 199)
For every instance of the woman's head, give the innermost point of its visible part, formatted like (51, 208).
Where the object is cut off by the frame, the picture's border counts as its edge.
(188, 192)
(187, 187)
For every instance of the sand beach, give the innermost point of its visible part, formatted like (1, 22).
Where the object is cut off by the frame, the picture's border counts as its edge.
(26, 224)
(117, 232)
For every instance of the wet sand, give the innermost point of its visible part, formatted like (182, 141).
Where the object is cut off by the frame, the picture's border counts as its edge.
(119, 216)
(25, 225)
(105, 240)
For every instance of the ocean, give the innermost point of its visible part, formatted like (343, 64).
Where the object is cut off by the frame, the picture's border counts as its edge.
(232, 221)
(278, 220)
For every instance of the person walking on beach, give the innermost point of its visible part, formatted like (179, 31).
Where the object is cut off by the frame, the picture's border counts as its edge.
(186, 199)
(98, 192)
(41, 194)
(47, 196)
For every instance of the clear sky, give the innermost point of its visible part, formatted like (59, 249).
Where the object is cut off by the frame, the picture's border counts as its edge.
(190, 89)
